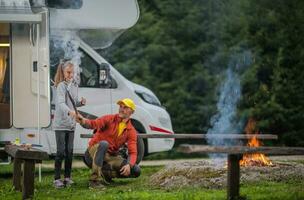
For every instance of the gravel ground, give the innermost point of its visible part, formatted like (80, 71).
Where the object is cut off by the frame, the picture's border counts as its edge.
(208, 174)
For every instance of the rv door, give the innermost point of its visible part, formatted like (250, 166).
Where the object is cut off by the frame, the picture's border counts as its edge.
(30, 71)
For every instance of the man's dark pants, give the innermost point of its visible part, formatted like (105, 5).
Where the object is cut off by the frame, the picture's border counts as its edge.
(106, 164)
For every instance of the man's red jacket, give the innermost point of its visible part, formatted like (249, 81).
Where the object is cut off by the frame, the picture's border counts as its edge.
(107, 129)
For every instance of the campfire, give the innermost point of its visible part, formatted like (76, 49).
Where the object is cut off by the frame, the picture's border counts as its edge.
(256, 159)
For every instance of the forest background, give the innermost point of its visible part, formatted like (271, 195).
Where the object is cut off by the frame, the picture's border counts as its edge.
(182, 49)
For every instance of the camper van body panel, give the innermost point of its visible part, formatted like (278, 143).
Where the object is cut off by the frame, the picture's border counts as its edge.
(26, 60)
(20, 18)
(100, 101)
(18, 12)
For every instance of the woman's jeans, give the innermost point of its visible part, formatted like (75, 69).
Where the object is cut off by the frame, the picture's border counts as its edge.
(65, 143)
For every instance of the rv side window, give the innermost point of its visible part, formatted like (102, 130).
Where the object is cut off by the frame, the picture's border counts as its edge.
(5, 111)
(65, 4)
(89, 76)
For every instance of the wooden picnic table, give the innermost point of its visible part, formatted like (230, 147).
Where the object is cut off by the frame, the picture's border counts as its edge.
(235, 154)
(23, 177)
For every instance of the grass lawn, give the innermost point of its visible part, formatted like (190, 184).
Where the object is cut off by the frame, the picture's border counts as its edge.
(140, 189)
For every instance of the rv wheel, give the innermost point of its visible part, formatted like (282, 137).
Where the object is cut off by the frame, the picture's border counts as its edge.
(140, 150)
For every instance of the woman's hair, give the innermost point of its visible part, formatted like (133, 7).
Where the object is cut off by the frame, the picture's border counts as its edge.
(59, 76)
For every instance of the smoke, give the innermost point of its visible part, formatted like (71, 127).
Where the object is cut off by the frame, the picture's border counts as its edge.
(225, 121)
(64, 45)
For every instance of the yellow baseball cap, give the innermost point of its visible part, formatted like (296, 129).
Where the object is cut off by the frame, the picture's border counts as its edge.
(127, 102)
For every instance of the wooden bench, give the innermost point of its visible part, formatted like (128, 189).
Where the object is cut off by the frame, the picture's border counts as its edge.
(24, 167)
(235, 154)
(201, 136)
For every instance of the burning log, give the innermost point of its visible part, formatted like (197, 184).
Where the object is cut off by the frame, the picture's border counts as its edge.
(256, 159)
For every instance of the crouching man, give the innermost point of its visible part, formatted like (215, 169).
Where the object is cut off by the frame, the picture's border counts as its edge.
(112, 132)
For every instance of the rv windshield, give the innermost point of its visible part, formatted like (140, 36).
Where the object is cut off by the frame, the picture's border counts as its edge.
(148, 98)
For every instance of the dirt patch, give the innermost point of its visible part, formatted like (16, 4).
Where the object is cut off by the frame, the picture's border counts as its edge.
(207, 174)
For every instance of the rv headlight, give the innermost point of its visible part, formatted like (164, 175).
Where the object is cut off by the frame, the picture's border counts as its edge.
(148, 98)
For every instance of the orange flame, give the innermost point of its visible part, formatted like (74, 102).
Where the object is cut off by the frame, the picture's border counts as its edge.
(256, 159)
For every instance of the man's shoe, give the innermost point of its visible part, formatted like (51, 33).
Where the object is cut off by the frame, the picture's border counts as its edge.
(108, 173)
(102, 177)
(109, 179)
(96, 184)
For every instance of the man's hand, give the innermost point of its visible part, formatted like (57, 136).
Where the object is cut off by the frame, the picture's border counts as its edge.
(125, 170)
(80, 119)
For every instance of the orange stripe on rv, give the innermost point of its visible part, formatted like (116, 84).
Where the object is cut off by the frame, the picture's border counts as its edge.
(154, 128)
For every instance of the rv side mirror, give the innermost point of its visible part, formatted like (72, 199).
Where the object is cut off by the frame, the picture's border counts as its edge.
(104, 75)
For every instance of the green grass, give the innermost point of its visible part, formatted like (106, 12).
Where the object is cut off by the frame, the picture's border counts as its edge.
(292, 190)
(141, 189)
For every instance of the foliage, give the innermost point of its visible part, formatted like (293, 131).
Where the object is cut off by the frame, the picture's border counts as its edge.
(274, 92)
(180, 49)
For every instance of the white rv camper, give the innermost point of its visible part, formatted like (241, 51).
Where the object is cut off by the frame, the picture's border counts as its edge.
(25, 71)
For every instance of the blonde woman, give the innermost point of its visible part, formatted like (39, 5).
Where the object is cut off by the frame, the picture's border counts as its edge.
(64, 121)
